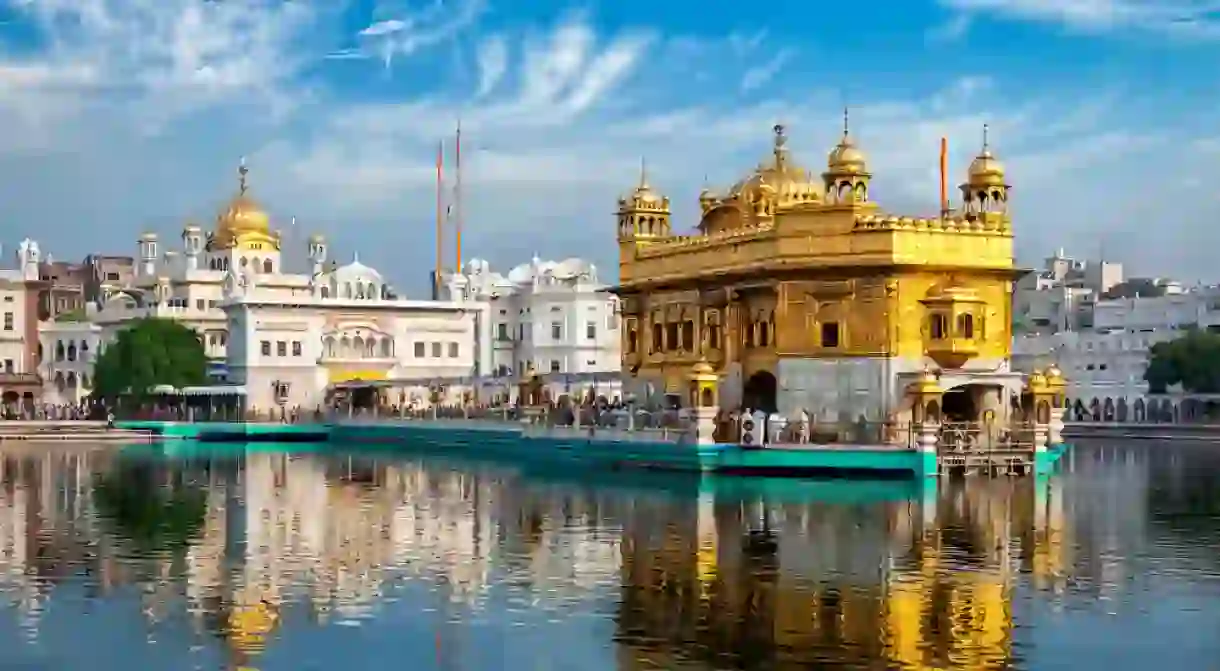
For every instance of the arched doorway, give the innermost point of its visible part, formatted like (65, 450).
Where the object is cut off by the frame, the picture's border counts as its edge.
(959, 405)
(760, 392)
(1141, 414)
(364, 398)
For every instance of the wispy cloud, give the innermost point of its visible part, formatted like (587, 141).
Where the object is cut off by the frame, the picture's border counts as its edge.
(554, 118)
(759, 76)
(1187, 18)
(492, 62)
(954, 29)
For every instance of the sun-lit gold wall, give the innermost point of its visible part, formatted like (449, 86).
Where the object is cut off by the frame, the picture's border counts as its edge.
(788, 265)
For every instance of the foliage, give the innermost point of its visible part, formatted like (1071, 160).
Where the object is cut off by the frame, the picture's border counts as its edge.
(148, 353)
(71, 316)
(152, 510)
(1191, 360)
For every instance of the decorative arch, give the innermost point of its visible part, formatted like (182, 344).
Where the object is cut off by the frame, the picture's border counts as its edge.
(1095, 410)
(268, 266)
(387, 347)
(60, 382)
(1107, 410)
(72, 351)
(329, 346)
(1121, 411)
(1140, 411)
(59, 350)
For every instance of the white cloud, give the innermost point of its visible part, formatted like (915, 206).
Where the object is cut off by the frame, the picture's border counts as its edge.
(554, 123)
(493, 63)
(1187, 18)
(759, 76)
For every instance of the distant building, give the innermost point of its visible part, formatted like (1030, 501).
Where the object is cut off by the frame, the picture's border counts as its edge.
(64, 288)
(553, 317)
(1061, 296)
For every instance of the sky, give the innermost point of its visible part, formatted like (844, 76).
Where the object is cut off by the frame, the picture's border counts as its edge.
(121, 116)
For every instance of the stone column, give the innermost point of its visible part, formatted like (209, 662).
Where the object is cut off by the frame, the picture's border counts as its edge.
(926, 394)
(1042, 399)
(704, 402)
(1058, 385)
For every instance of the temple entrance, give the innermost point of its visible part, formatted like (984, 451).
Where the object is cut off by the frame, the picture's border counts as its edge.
(760, 392)
(364, 398)
(959, 405)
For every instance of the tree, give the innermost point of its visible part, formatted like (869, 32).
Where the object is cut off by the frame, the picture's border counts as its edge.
(148, 353)
(1191, 360)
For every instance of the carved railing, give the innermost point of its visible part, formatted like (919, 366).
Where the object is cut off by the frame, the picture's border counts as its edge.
(985, 437)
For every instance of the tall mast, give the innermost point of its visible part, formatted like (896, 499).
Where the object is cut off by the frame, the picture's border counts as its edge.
(944, 177)
(457, 195)
(440, 215)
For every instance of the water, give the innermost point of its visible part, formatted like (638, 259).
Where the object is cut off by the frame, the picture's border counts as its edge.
(227, 559)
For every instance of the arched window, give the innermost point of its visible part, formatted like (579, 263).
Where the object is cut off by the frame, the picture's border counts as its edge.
(359, 290)
(59, 350)
(71, 351)
(257, 265)
(244, 262)
(347, 289)
(939, 326)
(268, 266)
(328, 344)
(345, 347)
(358, 347)
(370, 348)
(325, 292)
(965, 325)
(387, 348)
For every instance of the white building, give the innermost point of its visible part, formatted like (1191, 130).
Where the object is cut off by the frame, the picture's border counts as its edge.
(293, 334)
(1105, 364)
(552, 316)
(68, 352)
(1061, 296)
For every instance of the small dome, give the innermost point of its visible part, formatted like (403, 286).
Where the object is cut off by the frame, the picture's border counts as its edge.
(191, 229)
(148, 236)
(986, 169)
(846, 157)
(317, 238)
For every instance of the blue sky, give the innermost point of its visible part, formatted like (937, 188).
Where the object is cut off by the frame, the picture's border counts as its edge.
(126, 115)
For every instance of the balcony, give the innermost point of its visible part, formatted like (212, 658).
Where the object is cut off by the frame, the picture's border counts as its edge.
(954, 326)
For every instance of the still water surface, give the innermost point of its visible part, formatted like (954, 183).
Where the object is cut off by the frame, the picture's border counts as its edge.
(228, 559)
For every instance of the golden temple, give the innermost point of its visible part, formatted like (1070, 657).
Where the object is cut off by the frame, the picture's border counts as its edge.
(805, 295)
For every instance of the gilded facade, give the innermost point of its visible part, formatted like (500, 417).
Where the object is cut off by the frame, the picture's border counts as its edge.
(806, 295)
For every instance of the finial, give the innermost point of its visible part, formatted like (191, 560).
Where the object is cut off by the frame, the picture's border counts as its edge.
(846, 124)
(242, 171)
(781, 139)
(355, 257)
(986, 144)
(643, 173)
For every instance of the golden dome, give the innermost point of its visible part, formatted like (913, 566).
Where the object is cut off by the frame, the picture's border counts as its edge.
(986, 169)
(644, 196)
(780, 175)
(846, 157)
(241, 216)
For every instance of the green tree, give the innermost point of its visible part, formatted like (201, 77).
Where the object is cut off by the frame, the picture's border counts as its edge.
(148, 353)
(1191, 360)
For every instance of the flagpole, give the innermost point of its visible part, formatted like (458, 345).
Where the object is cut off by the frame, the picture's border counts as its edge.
(457, 159)
(440, 233)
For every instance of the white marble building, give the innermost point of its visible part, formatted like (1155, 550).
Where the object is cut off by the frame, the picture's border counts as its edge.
(286, 336)
(1105, 364)
(553, 316)
(68, 352)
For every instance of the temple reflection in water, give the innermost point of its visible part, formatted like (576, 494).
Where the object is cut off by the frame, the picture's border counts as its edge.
(740, 585)
(696, 578)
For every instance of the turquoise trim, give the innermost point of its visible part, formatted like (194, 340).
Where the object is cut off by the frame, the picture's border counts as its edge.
(576, 451)
(1048, 462)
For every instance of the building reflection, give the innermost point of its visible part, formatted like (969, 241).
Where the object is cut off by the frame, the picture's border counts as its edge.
(926, 585)
(704, 580)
